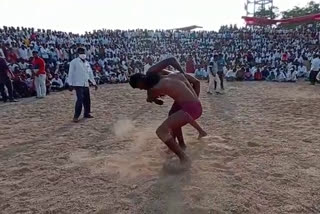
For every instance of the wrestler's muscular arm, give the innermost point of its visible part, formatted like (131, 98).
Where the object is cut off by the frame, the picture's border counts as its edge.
(160, 68)
(195, 83)
(164, 64)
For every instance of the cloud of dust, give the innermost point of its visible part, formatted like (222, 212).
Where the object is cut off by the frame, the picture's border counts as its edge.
(123, 127)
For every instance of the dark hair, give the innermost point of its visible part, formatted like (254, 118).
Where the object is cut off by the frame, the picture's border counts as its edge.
(81, 50)
(148, 80)
(135, 79)
(152, 79)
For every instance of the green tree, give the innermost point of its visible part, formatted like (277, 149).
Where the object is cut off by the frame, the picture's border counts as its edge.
(271, 12)
(310, 8)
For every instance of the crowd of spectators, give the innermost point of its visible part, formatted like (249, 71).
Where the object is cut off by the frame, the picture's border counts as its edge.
(245, 54)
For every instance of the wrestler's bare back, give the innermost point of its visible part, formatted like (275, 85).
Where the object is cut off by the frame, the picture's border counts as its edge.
(176, 86)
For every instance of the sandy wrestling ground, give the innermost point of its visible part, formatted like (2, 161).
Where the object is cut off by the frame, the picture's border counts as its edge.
(263, 155)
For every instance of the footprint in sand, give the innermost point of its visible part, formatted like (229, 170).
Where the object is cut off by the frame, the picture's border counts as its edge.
(252, 144)
(220, 166)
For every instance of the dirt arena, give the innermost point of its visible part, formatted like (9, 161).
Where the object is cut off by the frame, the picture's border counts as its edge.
(262, 156)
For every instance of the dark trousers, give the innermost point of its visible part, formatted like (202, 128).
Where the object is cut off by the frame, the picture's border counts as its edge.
(220, 74)
(6, 82)
(83, 99)
(313, 77)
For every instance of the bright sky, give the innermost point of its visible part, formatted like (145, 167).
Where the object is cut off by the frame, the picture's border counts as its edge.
(79, 16)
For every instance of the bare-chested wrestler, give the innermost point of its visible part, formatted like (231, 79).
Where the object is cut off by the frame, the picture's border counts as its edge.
(180, 90)
(195, 83)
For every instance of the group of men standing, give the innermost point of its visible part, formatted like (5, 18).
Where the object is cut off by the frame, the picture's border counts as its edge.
(6, 77)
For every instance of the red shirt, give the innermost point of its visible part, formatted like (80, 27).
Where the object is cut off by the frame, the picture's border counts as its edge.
(39, 64)
(258, 76)
(190, 66)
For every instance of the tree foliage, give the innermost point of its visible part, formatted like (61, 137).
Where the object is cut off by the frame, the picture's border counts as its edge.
(311, 8)
(271, 12)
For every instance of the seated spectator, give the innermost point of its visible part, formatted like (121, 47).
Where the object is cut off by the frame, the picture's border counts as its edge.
(48, 82)
(272, 76)
(240, 74)
(302, 71)
(292, 75)
(29, 81)
(265, 73)
(248, 75)
(253, 70)
(23, 64)
(231, 75)
(56, 83)
(97, 77)
(258, 75)
(198, 73)
(281, 76)
(20, 87)
(122, 78)
(113, 79)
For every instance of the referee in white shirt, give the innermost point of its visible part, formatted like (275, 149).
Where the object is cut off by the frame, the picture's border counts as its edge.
(80, 73)
(315, 68)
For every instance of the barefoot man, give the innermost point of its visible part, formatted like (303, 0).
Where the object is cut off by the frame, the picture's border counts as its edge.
(195, 83)
(180, 90)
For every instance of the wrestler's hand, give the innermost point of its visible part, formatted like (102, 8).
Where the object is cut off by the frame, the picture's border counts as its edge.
(70, 88)
(95, 87)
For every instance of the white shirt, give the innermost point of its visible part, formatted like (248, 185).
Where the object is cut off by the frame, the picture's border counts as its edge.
(23, 65)
(146, 68)
(59, 81)
(44, 53)
(122, 77)
(294, 76)
(315, 64)
(230, 73)
(1, 53)
(80, 73)
(23, 53)
(302, 69)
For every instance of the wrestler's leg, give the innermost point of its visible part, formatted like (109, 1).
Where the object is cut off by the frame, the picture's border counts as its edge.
(179, 136)
(202, 133)
(174, 121)
(177, 133)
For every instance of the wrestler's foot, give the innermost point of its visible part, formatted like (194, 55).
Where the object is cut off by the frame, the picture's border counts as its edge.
(185, 162)
(202, 134)
(183, 146)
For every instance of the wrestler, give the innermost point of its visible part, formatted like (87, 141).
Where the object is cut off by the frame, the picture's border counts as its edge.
(160, 68)
(180, 90)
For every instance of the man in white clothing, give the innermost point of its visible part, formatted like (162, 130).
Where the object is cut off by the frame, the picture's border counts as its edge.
(302, 70)
(23, 53)
(56, 83)
(80, 73)
(315, 67)
(39, 70)
(214, 80)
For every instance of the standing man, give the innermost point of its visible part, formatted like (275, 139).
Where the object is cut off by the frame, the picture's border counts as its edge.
(5, 81)
(39, 69)
(80, 73)
(315, 67)
(221, 63)
(214, 79)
